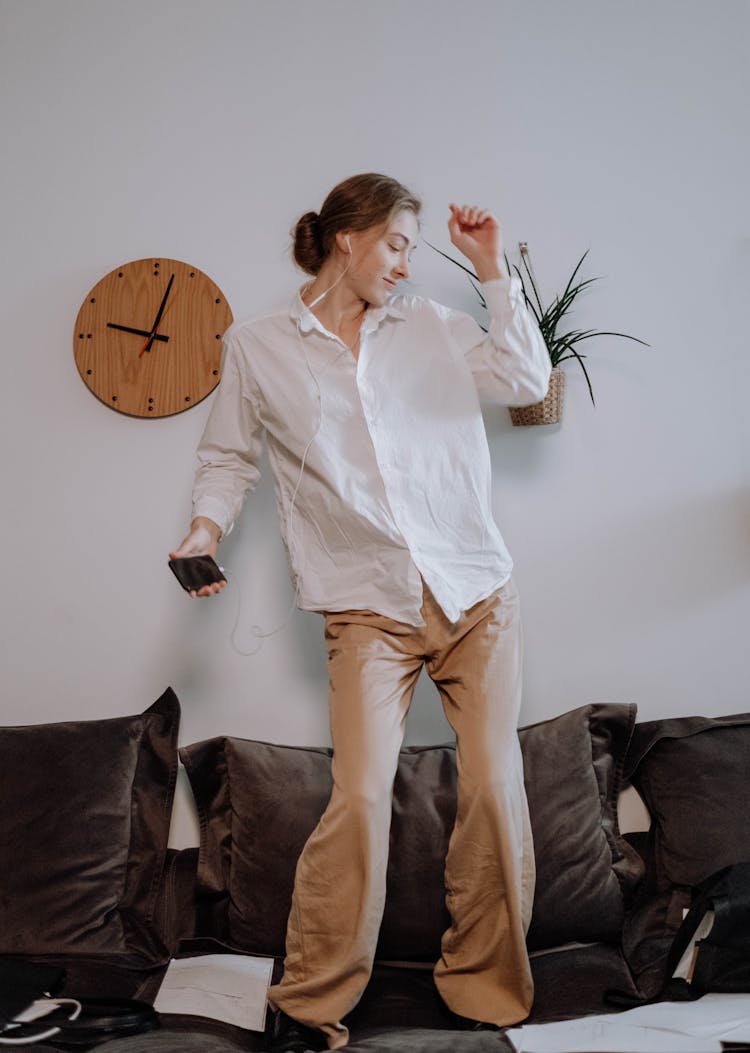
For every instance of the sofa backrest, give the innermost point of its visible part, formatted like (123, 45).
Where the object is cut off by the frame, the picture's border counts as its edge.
(258, 803)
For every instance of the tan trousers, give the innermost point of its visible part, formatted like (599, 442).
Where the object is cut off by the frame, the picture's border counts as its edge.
(339, 892)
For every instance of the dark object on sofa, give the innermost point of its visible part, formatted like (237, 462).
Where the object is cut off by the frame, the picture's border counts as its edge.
(21, 982)
(692, 773)
(120, 913)
(719, 959)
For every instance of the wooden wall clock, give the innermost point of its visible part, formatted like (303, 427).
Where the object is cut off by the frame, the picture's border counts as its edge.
(147, 340)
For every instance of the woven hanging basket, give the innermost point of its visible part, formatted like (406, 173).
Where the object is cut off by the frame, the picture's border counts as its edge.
(549, 410)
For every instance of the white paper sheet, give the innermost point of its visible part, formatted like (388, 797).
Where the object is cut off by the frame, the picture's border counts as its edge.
(713, 1015)
(665, 1027)
(228, 987)
(685, 965)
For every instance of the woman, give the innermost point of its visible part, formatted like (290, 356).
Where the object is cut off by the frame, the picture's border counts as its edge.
(370, 407)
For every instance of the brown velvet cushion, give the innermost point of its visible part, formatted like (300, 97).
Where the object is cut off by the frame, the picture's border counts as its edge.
(84, 824)
(258, 803)
(692, 773)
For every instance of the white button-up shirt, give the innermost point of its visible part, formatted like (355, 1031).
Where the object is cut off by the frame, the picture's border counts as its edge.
(381, 463)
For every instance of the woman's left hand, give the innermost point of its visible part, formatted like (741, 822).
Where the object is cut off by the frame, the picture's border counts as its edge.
(476, 233)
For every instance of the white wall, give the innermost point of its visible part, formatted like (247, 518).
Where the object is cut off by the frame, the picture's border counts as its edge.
(200, 130)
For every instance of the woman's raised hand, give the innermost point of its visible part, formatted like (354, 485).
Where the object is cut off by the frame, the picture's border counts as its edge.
(476, 233)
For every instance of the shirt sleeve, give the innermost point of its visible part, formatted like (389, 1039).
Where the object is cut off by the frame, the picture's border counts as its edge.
(230, 449)
(510, 363)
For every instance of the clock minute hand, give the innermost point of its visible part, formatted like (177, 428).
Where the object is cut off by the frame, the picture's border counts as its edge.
(159, 313)
(138, 332)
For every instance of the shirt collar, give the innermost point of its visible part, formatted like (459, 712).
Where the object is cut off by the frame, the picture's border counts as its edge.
(304, 317)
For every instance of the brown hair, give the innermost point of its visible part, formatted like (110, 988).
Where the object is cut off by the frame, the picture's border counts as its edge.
(358, 203)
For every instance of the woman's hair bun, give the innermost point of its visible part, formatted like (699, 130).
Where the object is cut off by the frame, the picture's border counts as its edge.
(361, 202)
(308, 245)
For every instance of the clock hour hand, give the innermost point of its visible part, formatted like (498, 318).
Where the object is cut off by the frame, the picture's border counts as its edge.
(138, 332)
(159, 313)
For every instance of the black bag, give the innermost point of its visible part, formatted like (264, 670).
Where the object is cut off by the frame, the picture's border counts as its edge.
(67, 1023)
(21, 982)
(718, 960)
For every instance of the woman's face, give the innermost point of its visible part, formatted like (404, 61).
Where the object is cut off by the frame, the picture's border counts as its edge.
(380, 257)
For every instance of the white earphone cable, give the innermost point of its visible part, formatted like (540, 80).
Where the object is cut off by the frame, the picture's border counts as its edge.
(256, 630)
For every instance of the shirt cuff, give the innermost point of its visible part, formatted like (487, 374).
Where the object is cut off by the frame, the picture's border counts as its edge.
(214, 509)
(501, 293)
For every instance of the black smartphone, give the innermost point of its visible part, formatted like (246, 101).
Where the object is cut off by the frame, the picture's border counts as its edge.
(193, 572)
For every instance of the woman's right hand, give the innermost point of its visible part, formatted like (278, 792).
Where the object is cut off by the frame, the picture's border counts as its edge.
(202, 540)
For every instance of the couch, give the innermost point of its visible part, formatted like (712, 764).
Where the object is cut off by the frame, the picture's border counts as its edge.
(89, 883)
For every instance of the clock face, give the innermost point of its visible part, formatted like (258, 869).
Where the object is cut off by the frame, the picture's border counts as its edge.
(147, 340)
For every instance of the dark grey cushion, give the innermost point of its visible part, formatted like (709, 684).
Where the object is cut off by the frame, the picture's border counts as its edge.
(83, 832)
(586, 870)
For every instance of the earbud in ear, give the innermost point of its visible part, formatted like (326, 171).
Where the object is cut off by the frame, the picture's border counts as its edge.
(348, 243)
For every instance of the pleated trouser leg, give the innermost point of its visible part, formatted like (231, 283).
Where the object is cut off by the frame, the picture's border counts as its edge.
(484, 971)
(339, 891)
(339, 895)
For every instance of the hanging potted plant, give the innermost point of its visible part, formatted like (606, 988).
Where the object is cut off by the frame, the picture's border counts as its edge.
(561, 346)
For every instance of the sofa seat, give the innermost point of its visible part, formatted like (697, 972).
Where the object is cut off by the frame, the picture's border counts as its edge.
(398, 1011)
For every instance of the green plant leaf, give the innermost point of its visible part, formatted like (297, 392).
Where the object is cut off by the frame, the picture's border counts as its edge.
(457, 262)
(561, 347)
(577, 268)
(531, 306)
(608, 332)
(480, 294)
(579, 358)
(578, 334)
(531, 280)
(564, 303)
